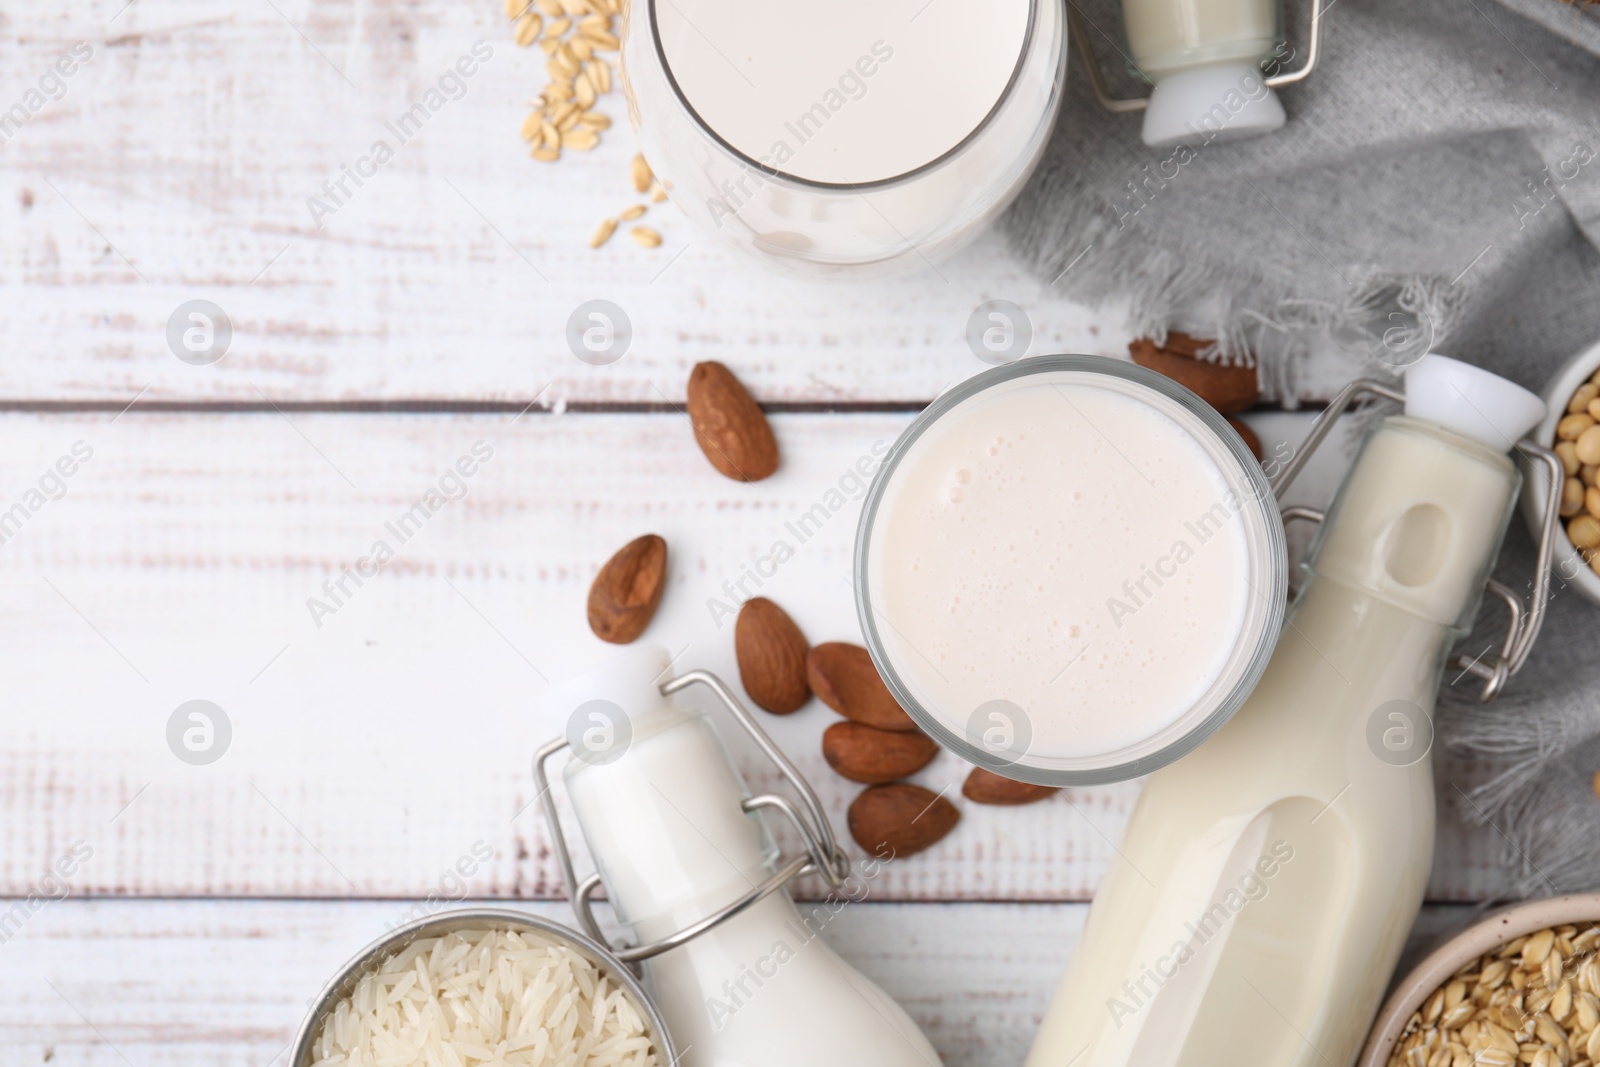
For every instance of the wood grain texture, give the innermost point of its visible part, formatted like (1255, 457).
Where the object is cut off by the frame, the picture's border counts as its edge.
(372, 752)
(180, 162)
(226, 983)
(162, 984)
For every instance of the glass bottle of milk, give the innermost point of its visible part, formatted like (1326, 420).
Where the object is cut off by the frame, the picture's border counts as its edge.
(676, 839)
(1269, 880)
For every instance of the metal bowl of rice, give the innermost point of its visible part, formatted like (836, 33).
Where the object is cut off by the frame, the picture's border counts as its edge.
(482, 986)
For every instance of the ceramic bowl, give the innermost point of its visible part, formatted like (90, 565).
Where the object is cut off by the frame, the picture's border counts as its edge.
(1570, 568)
(1476, 940)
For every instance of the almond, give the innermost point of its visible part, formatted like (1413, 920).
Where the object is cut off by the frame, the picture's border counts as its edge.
(729, 427)
(843, 676)
(987, 787)
(627, 590)
(1228, 389)
(772, 656)
(902, 819)
(863, 754)
(1251, 441)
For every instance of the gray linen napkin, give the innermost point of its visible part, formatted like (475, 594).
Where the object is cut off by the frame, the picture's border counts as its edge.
(1443, 161)
(1437, 186)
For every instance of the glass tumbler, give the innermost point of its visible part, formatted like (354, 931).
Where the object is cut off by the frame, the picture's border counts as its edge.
(830, 140)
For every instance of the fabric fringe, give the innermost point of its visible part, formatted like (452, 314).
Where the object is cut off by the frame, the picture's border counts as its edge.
(1384, 318)
(1542, 801)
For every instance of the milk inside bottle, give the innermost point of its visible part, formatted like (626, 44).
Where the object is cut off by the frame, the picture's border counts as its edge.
(1268, 880)
(677, 840)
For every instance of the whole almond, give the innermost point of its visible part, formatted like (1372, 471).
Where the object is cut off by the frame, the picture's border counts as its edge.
(772, 656)
(986, 787)
(843, 677)
(863, 754)
(1229, 389)
(901, 818)
(627, 590)
(729, 427)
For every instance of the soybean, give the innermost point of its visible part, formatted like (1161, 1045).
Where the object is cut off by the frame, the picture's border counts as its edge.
(1573, 426)
(1584, 531)
(1572, 498)
(1588, 445)
(1568, 451)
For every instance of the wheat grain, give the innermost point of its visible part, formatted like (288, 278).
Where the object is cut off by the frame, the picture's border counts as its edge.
(642, 177)
(1527, 1002)
(572, 34)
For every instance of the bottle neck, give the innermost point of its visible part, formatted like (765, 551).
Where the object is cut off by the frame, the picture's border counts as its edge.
(1358, 643)
(665, 824)
(1418, 522)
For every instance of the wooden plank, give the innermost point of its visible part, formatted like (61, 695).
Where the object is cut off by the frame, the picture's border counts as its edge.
(225, 983)
(180, 162)
(370, 754)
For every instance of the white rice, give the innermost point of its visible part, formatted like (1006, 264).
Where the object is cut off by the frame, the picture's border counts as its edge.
(485, 998)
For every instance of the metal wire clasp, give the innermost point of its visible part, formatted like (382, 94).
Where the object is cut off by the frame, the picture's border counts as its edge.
(822, 856)
(1526, 618)
(1077, 25)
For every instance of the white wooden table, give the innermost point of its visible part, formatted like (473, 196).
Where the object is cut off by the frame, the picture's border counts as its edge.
(370, 753)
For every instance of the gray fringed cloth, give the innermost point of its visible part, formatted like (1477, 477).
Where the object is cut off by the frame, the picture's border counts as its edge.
(1442, 162)
(1542, 739)
(1437, 186)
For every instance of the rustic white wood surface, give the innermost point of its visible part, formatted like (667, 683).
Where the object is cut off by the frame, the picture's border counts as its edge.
(371, 753)
(225, 983)
(179, 163)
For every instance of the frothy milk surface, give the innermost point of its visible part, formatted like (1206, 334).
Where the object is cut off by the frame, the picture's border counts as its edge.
(1059, 543)
(840, 92)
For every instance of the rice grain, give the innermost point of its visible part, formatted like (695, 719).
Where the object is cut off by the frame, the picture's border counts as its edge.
(484, 996)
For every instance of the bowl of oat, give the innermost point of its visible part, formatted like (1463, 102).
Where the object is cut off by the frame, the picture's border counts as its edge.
(1522, 986)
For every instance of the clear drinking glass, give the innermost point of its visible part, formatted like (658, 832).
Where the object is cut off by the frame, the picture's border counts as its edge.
(1265, 573)
(845, 229)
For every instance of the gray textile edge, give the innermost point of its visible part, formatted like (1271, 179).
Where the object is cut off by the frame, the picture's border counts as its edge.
(1398, 193)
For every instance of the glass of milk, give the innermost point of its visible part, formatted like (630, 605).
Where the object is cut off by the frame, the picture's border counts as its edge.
(1070, 570)
(833, 138)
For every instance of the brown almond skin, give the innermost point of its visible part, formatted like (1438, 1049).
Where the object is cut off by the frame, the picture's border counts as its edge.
(1228, 389)
(863, 754)
(729, 426)
(626, 592)
(898, 820)
(986, 787)
(772, 657)
(1251, 440)
(843, 677)
(1183, 344)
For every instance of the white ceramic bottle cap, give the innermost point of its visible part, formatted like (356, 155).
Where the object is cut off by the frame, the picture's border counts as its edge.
(630, 680)
(1471, 401)
(1225, 102)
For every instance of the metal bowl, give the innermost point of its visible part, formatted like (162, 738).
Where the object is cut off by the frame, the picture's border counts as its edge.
(369, 958)
(1484, 936)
